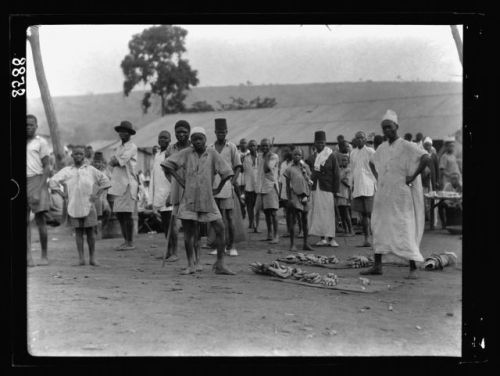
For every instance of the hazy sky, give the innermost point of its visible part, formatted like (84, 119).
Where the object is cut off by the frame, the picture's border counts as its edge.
(82, 59)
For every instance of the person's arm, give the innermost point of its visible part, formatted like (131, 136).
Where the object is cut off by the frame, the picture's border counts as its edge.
(170, 171)
(172, 164)
(373, 169)
(103, 184)
(424, 162)
(336, 176)
(236, 164)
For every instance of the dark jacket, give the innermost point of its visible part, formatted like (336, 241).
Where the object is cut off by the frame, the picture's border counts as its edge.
(328, 176)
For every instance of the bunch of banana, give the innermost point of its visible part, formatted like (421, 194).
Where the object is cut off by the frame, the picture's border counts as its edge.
(301, 257)
(359, 261)
(259, 268)
(291, 258)
(311, 278)
(279, 270)
(329, 280)
(298, 273)
(333, 260)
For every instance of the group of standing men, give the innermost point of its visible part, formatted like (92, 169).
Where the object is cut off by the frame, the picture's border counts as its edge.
(201, 184)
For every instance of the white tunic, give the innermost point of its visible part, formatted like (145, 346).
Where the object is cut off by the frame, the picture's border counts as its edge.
(363, 179)
(398, 209)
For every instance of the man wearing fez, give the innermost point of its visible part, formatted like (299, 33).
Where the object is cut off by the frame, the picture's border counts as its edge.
(398, 206)
(124, 183)
(225, 202)
(326, 179)
(197, 204)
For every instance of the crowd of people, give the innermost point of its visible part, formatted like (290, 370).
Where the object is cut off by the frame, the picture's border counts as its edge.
(210, 189)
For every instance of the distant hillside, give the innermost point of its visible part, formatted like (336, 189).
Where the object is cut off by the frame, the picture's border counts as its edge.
(87, 118)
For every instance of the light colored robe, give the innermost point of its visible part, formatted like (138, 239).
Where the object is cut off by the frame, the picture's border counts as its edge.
(398, 210)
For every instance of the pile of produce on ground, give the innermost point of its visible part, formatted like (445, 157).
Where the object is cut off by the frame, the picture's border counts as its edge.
(275, 269)
(359, 261)
(311, 259)
(438, 262)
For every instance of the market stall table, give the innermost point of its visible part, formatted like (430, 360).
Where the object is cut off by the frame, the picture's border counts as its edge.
(437, 198)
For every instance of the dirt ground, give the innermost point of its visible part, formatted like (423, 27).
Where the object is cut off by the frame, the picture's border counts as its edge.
(131, 306)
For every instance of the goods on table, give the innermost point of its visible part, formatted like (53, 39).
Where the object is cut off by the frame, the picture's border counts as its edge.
(275, 269)
(438, 262)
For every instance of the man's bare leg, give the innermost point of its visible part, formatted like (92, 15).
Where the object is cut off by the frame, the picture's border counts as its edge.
(189, 242)
(79, 245)
(129, 228)
(305, 231)
(290, 220)
(29, 256)
(365, 222)
(197, 246)
(42, 232)
(91, 243)
(267, 215)
(121, 221)
(219, 267)
(230, 228)
(274, 222)
(376, 269)
(166, 217)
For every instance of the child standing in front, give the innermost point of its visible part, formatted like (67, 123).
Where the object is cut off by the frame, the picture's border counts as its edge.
(343, 199)
(298, 188)
(81, 181)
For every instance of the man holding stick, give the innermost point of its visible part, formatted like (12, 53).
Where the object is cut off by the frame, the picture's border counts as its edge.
(197, 203)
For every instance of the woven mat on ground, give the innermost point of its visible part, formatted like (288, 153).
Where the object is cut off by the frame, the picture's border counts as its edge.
(340, 265)
(344, 284)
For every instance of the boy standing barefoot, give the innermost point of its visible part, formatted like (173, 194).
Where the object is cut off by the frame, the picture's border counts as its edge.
(298, 188)
(79, 180)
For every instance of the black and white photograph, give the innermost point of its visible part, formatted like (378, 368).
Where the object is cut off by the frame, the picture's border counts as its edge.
(271, 190)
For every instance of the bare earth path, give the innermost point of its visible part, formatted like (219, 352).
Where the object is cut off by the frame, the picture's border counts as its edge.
(132, 306)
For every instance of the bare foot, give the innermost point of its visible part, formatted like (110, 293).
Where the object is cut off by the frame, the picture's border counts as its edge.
(285, 235)
(30, 262)
(374, 270)
(198, 268)
(43, 262)
(257, 231)
(94, 263)
(293, 249)
(274, 241)
(187, 271)
(120, 246)
(80, 263)
(412, 275)
(172, 258)
(307, 247)
(220, 268)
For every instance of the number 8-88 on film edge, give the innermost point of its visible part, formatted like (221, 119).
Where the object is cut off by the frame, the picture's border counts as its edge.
(18, 73)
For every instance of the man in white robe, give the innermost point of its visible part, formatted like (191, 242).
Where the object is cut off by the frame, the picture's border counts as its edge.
(398, 208)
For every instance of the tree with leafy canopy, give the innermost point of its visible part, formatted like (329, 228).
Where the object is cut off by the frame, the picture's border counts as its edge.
(155, 58)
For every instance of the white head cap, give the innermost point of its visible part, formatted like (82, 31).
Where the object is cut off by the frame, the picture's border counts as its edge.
(200, 130)
(427, 140)
(391, 115)
(449, 139)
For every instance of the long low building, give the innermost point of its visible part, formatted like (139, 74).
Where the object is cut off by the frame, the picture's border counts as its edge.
(436, 115)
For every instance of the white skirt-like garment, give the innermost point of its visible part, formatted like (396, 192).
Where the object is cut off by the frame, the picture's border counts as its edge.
(321, 216)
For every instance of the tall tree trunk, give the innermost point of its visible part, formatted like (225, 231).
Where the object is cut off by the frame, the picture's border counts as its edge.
(163, 99)
(34, 40)
(458, 42)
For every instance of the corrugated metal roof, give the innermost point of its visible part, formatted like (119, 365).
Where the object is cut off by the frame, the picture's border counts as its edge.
(437, 116)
